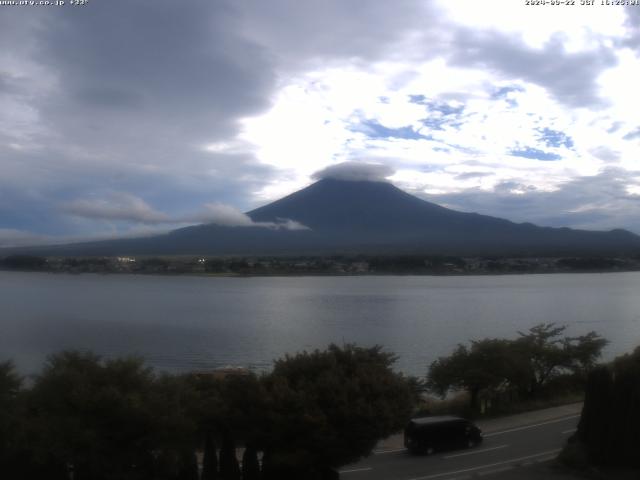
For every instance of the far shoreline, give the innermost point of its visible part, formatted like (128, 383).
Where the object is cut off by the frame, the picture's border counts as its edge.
(344, 265)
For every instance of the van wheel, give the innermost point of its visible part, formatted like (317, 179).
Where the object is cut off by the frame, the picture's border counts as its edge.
(471, 443)
(429, 451)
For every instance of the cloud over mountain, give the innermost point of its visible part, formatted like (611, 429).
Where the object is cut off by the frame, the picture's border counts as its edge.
(117, 206)
(228, 216)
(124, 207)
(356, 171)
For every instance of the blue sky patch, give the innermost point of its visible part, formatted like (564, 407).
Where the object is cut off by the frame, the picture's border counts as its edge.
(434, 123)
(434, 106)
(418, 99)
(502, 93)
(441, 113)
(535, 154)
(373, 129)
(555, 138)
(632, 135)
(445, 109)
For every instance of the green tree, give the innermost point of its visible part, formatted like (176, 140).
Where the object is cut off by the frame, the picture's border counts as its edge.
(230, 408)
(188, 466)
(329, 408)
(584, 351)
(229, 467)
(525, 364)
(544, 351)
(250, 464)
(608, 428)
(10, 418)
(487, 365)
(210, 458)
(107, 418)
(548, 354)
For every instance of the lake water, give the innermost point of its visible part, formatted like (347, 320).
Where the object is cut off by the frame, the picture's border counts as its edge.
(182, 323)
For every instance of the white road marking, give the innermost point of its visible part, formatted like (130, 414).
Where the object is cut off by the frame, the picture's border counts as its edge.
(380, 452)
(495, 470)
(530, 426)
(481, 467)
(544, 459)
(476, 451)
(353, 470)
(571, 430)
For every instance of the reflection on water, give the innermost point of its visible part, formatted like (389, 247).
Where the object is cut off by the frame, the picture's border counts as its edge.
(181, 323)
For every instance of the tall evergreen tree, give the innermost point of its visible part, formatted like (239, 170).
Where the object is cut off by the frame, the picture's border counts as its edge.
(608, 428)
(188, 466)
(210, 458)
(595, 423)
(250, 464)
(229, 468)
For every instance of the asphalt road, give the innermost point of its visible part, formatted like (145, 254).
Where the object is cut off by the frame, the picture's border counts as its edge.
(500, 451)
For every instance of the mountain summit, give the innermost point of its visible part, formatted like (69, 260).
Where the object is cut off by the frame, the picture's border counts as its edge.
(373, 217)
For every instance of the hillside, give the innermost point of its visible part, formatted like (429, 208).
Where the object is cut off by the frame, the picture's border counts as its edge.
(364, 217)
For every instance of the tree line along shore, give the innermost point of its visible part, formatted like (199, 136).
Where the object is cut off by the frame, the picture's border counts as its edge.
(321, 265)
(91, 418)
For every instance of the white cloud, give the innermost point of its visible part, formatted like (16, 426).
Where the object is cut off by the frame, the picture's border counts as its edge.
(225, 215)
(117, 206)
(123, 207)
(356, 171)
(228, 216)
(536, 24)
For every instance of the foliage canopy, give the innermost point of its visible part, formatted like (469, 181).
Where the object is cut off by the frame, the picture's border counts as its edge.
(526, 364)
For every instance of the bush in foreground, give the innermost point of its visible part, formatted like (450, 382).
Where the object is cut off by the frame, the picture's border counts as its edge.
(608, 433)
(118, 419)
(329, 408)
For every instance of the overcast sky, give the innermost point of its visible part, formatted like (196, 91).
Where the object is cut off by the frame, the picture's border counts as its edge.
(123, 117)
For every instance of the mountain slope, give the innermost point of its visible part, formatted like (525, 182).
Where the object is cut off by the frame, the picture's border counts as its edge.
(381, 214)
(367, 217)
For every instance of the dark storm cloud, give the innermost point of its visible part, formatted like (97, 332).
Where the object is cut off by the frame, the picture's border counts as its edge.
(181, 68)
(123, 96)
(593, 202)
(7, 84)
(569, 77)
(304, 32)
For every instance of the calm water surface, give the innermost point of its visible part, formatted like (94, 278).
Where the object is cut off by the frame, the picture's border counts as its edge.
(183, 323)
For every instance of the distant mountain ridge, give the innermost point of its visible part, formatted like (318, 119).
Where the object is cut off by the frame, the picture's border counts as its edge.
(365, 217)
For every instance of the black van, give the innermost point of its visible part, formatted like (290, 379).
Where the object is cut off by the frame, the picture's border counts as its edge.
(428, 434)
